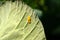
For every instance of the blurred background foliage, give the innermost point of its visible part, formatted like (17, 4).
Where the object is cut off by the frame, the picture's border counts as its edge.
(50, 17)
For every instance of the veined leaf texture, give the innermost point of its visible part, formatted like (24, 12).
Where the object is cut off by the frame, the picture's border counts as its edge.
(14, 24)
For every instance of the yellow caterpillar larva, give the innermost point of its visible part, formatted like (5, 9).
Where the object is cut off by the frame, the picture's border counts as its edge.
(29, 19)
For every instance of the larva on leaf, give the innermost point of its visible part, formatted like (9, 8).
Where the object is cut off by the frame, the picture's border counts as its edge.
(29, 19)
